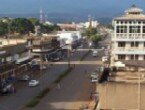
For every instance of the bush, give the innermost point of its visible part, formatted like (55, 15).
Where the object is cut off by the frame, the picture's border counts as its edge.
(36, 99)
(65, 73)
(43, 93)
(33, 102)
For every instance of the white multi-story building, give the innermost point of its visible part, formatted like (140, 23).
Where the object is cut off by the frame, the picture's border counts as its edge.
(128, 39)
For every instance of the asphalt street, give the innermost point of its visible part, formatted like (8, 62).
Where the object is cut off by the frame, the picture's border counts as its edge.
(24, 93)
(74, 90)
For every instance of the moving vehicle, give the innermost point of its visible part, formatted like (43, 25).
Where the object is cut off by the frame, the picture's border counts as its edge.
(33, 83)
(95, 53)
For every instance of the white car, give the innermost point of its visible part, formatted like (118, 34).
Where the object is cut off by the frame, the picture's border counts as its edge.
(94, 80)
(43, 67)
(93, 74)
(95, 53)
(104, 59)
(33, 83)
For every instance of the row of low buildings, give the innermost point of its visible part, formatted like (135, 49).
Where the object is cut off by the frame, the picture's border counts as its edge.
(124, 88)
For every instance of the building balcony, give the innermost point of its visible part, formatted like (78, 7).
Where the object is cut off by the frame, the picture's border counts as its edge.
(129, 51)
(128, 37)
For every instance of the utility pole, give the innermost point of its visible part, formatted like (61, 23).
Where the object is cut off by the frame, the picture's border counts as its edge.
(68, 54)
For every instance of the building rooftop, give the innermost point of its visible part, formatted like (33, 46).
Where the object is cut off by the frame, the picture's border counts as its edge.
(121, 96)
(134, 10)
(127, 77)
(132, 13)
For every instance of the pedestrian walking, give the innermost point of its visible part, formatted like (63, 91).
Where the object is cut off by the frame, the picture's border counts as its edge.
(58, 85)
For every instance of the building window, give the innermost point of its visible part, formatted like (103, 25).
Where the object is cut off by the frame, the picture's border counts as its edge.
(121, 29)
(121, 57)
(134, 29)
(136, 57)
(143, 29)
(134, 44)
(121, 44)
(132, 57)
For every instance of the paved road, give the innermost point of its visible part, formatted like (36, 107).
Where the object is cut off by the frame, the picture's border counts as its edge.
(25, 93)
(74, 90)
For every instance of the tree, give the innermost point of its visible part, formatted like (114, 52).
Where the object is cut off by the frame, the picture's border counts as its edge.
(90, 31)
(21, 26)
(3, 28)
(34, 21)
(95, 38)
(49, 28)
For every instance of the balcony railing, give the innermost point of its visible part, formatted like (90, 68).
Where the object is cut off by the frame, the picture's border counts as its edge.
(129, 51)
(128, 36)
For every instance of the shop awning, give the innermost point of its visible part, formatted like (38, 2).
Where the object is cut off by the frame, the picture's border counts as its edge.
(24, 59)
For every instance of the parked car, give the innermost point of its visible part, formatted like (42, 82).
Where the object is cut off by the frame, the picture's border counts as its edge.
(55, 59)
(105, 59)
(5, 90)
(94, 80)
(95, 53)
(24, 78)
(33, 83)
(103, 48)
(43, 67)
(93, 74)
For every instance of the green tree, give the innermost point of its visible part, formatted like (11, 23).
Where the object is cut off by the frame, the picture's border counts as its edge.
(90, 31)
(34, 21)
(3, 28)
(49, 28)
(95, 38)
(21, 26)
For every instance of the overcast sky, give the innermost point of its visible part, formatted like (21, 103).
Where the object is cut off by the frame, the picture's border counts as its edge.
(100, 7)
